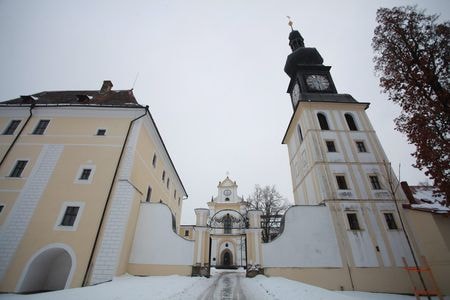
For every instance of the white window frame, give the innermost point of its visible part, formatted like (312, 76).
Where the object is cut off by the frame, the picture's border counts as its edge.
(62, 211)
(379, 182)
(364, 144)
(37, 123)
(80, 171)
(349, 188)
(8, 124)
(334, 144)
(396, 220)
(358, 217)
(101, 128)
(14, 165)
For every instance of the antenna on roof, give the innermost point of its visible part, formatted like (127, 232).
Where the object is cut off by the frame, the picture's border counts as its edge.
(135, 79)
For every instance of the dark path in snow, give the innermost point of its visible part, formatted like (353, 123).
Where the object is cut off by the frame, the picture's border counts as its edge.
(227, 285)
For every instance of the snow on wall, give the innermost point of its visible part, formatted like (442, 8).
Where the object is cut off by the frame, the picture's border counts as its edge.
(154, 240)
(308, 240)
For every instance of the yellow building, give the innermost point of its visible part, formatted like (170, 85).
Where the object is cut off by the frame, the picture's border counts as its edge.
(76, 166)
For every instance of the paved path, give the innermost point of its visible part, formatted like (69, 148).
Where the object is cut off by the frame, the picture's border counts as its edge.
(226, 286)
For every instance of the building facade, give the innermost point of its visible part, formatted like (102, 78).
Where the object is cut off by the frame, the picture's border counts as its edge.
(227, 223)
(75, 167)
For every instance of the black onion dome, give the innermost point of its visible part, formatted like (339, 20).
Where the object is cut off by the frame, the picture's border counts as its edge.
(302, 56)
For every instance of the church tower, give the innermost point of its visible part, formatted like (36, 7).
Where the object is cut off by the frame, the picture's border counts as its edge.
(334, 152)
(337, 161)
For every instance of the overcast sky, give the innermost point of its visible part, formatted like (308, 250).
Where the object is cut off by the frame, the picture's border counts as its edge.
(211, 72)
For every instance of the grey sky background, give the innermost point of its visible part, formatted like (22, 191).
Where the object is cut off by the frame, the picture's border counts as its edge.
(211, 72)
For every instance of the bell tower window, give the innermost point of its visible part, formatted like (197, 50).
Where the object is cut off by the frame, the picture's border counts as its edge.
(323, 121)
(350, 122)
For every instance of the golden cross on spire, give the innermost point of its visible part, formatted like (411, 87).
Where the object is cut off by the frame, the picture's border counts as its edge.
(290, 23)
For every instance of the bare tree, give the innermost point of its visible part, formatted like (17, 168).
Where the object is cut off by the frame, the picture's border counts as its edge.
(273, 205)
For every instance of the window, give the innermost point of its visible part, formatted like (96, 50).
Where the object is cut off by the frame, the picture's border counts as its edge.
(353, 223)
(227, 224)
(350, 122)
(390, 221)
(163, 176)
(361, 147)
(174, 194)
(179, 201)
(299, 132)
(168, 181)
(70, 216)
(323, 121)
(18, 168)
(101, 131)
(149, 194)
(342, 184)
(186, 233)
(375, 183)
(11, 127)
(330, 146)
(154, 160)
(1, 208)
(227, 199)
(41, 126)
(85, 174)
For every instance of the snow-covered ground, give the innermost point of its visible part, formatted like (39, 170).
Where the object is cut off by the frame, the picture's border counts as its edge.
(181, 287)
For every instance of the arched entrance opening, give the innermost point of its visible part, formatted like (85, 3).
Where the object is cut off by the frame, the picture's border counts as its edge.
(227, 258)
(48, 271)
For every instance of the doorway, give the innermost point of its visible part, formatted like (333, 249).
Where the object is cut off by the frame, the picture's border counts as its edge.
(227, 258)
(48, 271)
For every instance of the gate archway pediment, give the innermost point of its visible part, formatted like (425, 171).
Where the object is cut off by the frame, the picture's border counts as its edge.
(231, 217)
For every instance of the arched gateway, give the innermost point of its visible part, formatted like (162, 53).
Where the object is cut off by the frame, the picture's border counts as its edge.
(49, 269)
(225, 231)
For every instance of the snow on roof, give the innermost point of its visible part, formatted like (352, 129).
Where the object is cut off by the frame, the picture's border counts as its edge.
(427, 198)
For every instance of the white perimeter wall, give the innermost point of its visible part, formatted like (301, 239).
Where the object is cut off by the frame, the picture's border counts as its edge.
(154, 240)
(308, 240)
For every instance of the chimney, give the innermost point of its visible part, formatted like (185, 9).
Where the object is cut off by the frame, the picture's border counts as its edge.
(106, 87)
(408, 192)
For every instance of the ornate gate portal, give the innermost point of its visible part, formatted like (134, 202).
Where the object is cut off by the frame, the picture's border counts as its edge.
(227, 235)
(228, 240)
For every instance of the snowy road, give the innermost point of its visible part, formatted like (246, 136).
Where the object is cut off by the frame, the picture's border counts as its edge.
(226, 286)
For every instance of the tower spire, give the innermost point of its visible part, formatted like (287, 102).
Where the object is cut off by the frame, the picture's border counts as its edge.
(295, 38)
(290, 23)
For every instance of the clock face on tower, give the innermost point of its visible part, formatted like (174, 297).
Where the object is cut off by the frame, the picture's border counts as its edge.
(227, 192)
(317, 82)
(295, 94)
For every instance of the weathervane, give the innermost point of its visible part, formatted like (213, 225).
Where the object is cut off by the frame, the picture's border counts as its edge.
(290, 23)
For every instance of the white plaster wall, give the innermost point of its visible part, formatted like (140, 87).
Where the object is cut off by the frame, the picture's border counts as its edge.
(308, 240)
(360, 242)
(372, 214)
(154, 240)
(397, 239)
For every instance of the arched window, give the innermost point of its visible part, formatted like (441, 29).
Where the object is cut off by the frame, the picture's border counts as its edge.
(299, 132)
(323, 121)
(350, 122)
(227, 224)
